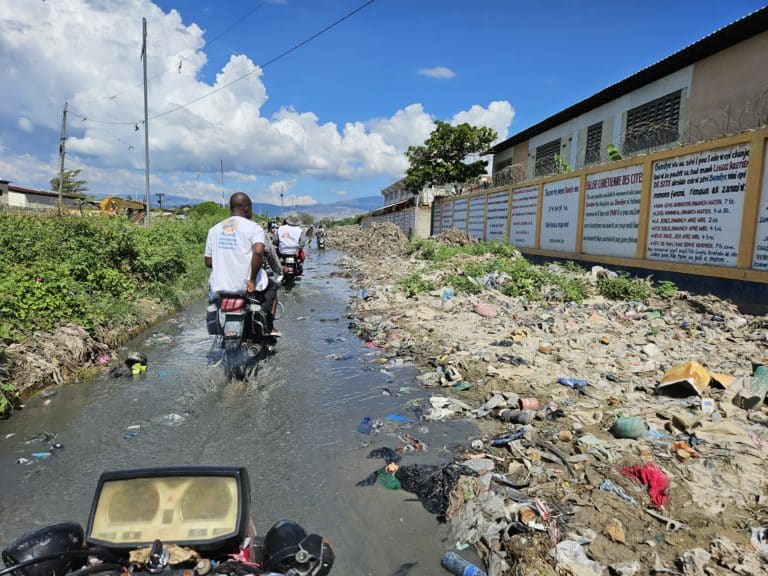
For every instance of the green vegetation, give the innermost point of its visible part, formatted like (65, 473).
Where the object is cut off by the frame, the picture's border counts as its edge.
(350, 220)
(624, 288)
(92, 270)
(442, 157)
(613, 153)
(70, 184)
(666, 290)
(414, 284)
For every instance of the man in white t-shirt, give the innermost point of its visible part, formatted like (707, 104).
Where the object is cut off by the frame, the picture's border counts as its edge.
(291, 239)
(234, 250)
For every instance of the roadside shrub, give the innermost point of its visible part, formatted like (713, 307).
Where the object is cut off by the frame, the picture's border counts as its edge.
(89, 269)
(414, 284)
(624, 288)
(462, 283)
(666, 290)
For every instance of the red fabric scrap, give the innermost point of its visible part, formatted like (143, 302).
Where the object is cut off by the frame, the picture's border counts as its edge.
(653, 478)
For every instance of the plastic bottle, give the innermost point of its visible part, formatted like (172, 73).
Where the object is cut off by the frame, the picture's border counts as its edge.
(460, 567)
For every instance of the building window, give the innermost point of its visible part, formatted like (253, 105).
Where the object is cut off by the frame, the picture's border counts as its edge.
(653, 124)
(594, 141)
(545, 157)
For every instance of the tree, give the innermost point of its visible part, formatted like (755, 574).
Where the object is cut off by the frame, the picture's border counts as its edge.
(443, 156)
(70, 183)
(306, 218)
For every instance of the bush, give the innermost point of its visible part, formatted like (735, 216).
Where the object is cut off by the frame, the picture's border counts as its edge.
(465, 284)
(88, 269)
(666, 290)
(414, 284)
(624, 288)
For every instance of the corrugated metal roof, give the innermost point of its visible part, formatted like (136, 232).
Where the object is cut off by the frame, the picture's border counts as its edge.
(725, 37)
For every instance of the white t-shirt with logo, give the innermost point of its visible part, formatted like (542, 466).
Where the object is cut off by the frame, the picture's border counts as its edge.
(289, 237)
(229, 245)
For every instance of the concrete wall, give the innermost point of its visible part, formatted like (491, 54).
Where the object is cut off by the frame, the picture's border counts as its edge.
(700, 210)
(613, 113)
(729, 89)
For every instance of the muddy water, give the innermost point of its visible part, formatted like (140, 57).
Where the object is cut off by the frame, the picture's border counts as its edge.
(293, 427)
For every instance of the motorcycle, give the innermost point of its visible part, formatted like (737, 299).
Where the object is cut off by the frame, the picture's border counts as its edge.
(176, 521)
(241, 329)
(320, 241)
(292, 268)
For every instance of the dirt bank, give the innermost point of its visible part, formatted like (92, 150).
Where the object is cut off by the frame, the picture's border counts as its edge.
(70, 353)
(607, 472)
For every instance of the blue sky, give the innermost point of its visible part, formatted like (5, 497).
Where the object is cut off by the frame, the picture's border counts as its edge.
(327, 122)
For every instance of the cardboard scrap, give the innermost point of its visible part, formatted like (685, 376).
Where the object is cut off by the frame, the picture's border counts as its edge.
(685, 378)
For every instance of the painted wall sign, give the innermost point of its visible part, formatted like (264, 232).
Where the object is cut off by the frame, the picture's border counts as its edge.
(496, 222)
(447, 219)
(760, 260)
(476, 225)
(559, 215)
(460, 214)
(612, 212)
(696, 207)
(522, 227)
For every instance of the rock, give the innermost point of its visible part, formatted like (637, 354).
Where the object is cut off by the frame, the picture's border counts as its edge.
(693, 562)
(614, 529)
(651, 350)
(624, 568)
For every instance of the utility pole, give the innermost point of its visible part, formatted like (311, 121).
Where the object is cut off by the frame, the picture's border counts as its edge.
(221, 162)
(160, 199)
(62, 152)
(147, 217)
(282, 191)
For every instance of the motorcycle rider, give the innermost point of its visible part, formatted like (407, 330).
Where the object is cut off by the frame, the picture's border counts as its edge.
(291, 239)
(320, 234)
(234, 251)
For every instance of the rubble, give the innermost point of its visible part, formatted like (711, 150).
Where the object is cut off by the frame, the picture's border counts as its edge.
(562, 486)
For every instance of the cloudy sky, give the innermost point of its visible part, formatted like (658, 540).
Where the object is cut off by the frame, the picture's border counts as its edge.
(330, 120)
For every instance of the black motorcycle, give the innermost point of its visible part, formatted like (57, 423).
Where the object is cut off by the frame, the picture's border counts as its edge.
(179, 521)
(320, 241)
(242, 333)
(292, 269)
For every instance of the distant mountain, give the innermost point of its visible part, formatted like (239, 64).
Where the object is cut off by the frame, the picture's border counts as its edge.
(339, 209)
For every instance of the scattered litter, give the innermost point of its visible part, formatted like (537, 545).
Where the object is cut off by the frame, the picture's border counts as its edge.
(365, 426)
(629, 427)
(608, 486)
(40, 455)
(398, 418)
(574, 383)
(653, 478)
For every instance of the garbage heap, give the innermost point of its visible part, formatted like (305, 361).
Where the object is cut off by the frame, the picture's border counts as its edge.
(613, 437)
(383, 238)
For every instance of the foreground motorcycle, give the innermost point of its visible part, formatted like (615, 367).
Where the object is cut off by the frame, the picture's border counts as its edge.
(180, 521)
(241, 329)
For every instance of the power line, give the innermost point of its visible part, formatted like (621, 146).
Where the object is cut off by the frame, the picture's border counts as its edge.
(247, 74)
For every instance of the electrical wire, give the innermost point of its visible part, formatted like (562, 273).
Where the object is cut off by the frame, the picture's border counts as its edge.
(244, 76)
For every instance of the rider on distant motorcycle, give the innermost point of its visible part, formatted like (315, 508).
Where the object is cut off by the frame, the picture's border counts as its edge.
(291, 239)
(320, 234)
(234, 250)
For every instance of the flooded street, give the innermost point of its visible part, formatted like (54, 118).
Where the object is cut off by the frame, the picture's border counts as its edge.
(293, 428)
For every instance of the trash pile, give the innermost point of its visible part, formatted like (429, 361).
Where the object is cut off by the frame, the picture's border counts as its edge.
(385, 238)
(48, 359)
(614, 437)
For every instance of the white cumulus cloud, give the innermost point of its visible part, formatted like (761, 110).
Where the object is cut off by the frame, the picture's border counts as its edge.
(25, 124)
(439, 72)
(101, 81)
(498, 115)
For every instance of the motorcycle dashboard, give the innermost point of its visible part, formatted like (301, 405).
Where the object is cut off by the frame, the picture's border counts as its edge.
(188, 506)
